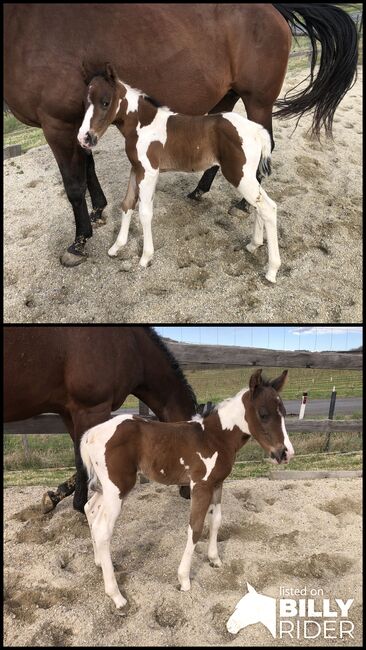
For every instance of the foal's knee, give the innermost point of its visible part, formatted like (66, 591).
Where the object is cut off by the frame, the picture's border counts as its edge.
(75, 191)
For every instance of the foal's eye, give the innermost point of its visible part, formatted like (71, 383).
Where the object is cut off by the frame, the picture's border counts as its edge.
(105, 104)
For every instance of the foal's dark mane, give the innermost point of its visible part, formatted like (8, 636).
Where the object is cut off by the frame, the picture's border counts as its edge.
(173, 362)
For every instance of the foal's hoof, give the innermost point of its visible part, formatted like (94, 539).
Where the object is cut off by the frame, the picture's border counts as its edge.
(70, 259)
(195, 195)
(97, 219)
(47, 504)
(242, 206)
(271, 277)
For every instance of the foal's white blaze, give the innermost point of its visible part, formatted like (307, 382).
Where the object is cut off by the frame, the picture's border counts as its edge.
(209, 462)
(162, 471)
(231, 413)
(286, 440)
(86, 124)
(182, 463)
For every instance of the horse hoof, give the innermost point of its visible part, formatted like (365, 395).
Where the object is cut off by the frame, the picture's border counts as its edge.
(70, 259)
(195, 195)
(185, 491)
(242, 206)
(97, 219)
(47, 504)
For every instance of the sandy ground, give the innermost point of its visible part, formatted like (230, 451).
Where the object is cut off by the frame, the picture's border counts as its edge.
(274, 534)
(200, 271)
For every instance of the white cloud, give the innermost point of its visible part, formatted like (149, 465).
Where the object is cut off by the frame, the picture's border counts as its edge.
(326, 330)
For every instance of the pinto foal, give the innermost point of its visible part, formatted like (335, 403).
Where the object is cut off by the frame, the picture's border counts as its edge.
(159, 140)
(199, 453)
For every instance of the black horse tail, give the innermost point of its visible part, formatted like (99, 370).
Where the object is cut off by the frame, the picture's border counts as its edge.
(336, 32)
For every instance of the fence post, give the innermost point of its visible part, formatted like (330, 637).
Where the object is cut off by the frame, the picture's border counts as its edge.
(303, 405)
(26, 446)
(333, 398)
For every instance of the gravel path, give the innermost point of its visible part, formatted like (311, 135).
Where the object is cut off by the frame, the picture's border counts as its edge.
(200, 271)
(274, 534)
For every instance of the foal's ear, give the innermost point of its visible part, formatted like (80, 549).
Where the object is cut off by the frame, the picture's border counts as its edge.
(110, 73)
(279, 383)
(255, 381)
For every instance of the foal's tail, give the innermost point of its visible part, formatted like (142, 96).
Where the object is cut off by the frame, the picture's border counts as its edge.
(85, 456)
(264, 167)
(336, 32)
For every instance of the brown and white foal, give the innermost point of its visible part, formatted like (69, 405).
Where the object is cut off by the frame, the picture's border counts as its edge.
(199, 453)
(159, 140)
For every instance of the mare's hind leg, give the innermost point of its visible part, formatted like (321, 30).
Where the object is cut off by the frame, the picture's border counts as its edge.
(227, 103)
(128, 205)
(267, 212)
(201, 496)
(97, 196)
(214, 512)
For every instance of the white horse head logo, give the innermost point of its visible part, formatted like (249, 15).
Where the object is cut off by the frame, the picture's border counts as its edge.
(253, 608)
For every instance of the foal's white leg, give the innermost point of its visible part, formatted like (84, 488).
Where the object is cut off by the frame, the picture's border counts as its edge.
(267, 210)
(103, 525)
(128, 205)
(91, 509)
(146, 194)
(257, 237)
(185, 564)
(214, 524)
(122, 235)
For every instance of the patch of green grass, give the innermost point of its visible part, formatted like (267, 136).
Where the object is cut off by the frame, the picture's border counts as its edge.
(54, 450)
(46, 477)
(316, 462)
(17, 133)
(216, 384)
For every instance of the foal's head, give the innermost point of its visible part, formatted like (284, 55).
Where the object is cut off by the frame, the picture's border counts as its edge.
(103, 102)
(265, 414)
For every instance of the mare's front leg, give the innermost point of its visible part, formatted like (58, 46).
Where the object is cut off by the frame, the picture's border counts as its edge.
(71, 159)
(201, 496)
(146, 194)
(128, 205)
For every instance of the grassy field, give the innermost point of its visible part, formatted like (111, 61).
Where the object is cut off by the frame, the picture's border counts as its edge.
(51, 454)
(216, 385)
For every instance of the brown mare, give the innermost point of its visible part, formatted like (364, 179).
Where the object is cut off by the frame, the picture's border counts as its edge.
(85, 373)
(194, 58)
(199, 453)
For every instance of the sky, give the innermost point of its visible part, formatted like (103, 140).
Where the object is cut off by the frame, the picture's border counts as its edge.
(309, 337)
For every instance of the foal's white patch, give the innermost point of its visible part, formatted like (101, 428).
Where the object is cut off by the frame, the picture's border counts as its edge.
(132, 97)
(209, 462)
(231, 413)
(182, 463)
(86, 124)
(154, 132)
(162, 471)
(286, 440)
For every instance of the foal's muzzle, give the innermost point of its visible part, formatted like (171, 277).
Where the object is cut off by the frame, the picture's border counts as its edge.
(280, 455)
(91, 139)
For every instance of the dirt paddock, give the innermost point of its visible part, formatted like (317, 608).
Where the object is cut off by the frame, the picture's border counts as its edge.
(274, 534)
(200, 271)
